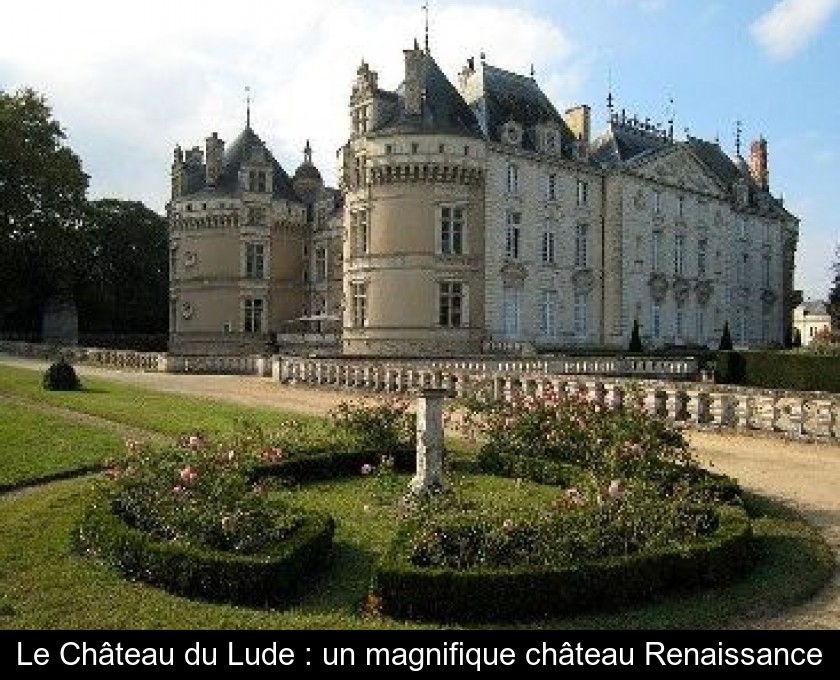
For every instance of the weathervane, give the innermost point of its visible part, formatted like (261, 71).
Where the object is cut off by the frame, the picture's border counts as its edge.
(737, 137)
(248, 107)
(426, 13)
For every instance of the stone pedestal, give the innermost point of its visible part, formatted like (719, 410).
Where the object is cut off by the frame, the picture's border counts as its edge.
(429, 475)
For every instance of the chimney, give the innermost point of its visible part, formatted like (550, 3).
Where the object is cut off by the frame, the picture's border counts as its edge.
(758, 163)
(215, 149)
(414, 66)
(578, 120)
(177, 172)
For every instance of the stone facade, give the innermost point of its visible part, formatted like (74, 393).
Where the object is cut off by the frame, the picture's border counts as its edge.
(477, 216)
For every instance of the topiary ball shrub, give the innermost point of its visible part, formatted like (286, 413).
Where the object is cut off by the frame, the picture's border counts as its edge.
(61, 376)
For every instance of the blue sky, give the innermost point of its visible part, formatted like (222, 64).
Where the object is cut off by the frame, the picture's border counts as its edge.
(129, 81)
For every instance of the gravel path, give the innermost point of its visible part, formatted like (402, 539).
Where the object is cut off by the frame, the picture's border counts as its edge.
(804, 475)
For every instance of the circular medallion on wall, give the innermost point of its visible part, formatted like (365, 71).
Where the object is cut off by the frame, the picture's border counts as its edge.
(187, 310)
(190, 258)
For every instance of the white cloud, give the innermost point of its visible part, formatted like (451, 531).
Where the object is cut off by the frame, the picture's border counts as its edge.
(129, 81)
(791, 24)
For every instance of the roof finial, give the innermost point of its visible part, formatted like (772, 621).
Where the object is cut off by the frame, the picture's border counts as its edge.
(671, 117)
(609, 94)
(426, 13)
(533, 73)
(307, 153)
(737, 137)
(248, 107)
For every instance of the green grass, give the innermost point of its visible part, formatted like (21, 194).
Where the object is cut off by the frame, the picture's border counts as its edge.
(169, 414)
(44, 586)
(35, 445)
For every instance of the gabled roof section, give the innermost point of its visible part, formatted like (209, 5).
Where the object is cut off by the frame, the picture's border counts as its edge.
(443, 108)
(237, 154)
(625, 143)
(510, 96)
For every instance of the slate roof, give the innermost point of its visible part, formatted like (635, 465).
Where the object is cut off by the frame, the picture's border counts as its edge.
(622, 144)
(444, 109)
(510, 96)
(814, 308)
(236, 154)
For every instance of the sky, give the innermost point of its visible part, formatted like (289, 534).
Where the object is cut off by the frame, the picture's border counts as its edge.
(129, 81)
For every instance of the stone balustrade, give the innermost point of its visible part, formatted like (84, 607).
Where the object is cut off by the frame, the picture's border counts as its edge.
(705, 405)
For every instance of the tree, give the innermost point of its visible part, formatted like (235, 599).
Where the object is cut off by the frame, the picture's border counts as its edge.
(42, 198)
(636, 339)
(725, 339)
(125, 285)
(834, 294)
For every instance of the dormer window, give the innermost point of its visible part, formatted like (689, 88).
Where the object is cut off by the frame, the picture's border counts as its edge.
(512, 133)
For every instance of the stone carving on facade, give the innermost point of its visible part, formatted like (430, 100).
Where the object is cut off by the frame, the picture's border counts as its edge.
(658, 286)
(703, 290)
(681, 289)
(513, 272)
(583, 280)
(640, 201)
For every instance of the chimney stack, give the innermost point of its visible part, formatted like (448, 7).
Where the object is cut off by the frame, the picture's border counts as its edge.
(414, 66)
(579, 121)
(215, 149)
(758, 163)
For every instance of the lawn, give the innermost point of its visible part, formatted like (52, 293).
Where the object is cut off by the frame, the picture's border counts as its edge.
(45, 586)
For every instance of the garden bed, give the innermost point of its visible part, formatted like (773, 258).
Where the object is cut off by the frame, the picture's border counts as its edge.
(268, 577)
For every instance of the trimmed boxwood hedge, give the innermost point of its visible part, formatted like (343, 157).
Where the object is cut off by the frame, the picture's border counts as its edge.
(332, 464)
(779, 370)
(263, 579)
(473, 595)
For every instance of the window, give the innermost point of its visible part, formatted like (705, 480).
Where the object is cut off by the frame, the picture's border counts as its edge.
(742, 271)
(657, 202)
(360, 170)
(701, 258)
(510, 309)
(359, 232)
(765, 271)
(679, 324)
(512, 178)
(256, 215)
(581, 237)
(681, 207)
(257, 181)
(765, 327)
(254, 261)
(551, 187)
(547, 248)
(358, 295)
(742, 227)
(655, 320)
(466, 151)
(582, 192)
(580, 315)
(415, 147)
(767, 232)
(514, 221)
(550, 141)
(451, 304)
(742, 327)
(389, 149)
(656, 251)
(320, 263)
(253, 322)
(679, 242)
(700, 326)
(452, 230)
(441, 148)
(548, 314)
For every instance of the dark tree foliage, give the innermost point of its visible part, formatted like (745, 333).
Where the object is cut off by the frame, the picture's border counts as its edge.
(124, 288)
(834, 294)
(42, 197)
(635, 338)
(725, 339)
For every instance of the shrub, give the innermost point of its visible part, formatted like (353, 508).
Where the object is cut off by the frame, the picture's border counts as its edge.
(575, 430)
(725, 344)
(405, 589)
(636, 339)
(794, 370)
(377, 427)
(61, 376)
